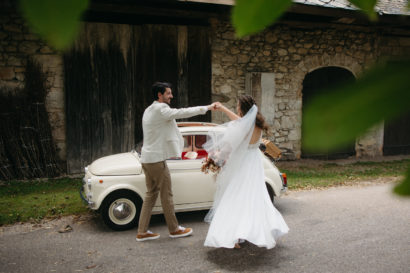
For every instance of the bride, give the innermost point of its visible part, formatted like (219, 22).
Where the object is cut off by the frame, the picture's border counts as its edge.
(242, 208)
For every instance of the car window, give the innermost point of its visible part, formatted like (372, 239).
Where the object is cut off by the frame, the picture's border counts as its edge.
(187, 147)
(187, 143)
(200, 141)
(198, 146)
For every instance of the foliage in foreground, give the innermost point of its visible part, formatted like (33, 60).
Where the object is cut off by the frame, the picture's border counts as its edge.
(57, 22)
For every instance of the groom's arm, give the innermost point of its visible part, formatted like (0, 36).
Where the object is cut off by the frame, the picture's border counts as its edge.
(173, 113)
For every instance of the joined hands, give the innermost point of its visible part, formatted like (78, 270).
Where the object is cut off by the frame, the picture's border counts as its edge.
(215, 106)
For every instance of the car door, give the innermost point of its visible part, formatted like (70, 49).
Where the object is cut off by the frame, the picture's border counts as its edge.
(191, 186)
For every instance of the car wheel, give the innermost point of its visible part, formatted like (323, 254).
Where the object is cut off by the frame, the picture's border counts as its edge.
(271, 193)
(121, 210)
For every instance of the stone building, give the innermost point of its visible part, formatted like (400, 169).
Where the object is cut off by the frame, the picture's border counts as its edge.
(314, 43)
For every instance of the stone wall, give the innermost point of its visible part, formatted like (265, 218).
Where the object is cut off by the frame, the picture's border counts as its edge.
(17, 45)
(290, 52)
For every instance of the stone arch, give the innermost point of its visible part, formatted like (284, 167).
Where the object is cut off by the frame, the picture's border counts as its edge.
(312, 63)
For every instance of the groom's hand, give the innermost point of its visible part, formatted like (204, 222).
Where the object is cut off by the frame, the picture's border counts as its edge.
(217, 106)
(213, 106)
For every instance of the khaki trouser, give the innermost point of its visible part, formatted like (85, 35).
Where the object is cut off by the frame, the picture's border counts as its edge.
(158, 180)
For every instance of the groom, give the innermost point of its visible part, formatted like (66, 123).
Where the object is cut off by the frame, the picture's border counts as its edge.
(162, 140)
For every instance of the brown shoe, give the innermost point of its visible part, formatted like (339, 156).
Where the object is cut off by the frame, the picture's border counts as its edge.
(240, 241)
(147, 236)
(181, 232)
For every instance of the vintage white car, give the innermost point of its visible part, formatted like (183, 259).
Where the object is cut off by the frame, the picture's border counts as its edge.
(115, 185)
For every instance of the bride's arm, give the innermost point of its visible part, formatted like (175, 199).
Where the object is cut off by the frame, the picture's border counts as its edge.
(229, 113)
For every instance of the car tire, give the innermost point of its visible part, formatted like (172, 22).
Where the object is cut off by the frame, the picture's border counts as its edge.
(271, 193)
(121, 210)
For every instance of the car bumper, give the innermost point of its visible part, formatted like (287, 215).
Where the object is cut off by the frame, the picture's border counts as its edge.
(85, 197)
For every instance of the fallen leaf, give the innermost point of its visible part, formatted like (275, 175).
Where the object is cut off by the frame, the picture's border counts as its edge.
(66, 229)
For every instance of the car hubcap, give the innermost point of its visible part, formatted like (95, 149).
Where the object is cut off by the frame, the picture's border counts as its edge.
(122, 211)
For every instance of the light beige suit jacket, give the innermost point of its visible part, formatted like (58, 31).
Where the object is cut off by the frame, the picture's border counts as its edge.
(162, 139)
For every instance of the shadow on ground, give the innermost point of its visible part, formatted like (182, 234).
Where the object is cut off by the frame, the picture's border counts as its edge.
(247, 258)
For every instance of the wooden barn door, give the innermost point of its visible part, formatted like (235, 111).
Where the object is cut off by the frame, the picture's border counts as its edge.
(199, 70)
(397, 136)
(108, 79)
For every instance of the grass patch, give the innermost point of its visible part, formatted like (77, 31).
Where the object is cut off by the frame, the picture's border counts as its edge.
(332, 174)
(22, 201)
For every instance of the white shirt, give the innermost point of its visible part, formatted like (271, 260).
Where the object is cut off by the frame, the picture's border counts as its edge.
(162, 139)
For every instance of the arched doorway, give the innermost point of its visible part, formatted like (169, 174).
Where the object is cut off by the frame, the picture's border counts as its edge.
(316, 83)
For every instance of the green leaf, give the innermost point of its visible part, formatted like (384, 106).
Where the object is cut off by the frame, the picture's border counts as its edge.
(55, 21)
(336, 118)
(367, 6)
(252, 16)
(404, 187)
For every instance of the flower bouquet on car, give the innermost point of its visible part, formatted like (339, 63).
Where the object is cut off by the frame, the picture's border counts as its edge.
(212, 164)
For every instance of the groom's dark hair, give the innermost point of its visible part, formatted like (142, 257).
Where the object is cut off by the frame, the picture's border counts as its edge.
(159, 87)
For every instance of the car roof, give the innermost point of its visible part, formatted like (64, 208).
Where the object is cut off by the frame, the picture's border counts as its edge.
(198, 127)
(195, 124)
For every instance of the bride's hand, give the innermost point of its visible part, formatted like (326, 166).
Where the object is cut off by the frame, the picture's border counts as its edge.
(212, 107)
(215, 106)
(218, 106)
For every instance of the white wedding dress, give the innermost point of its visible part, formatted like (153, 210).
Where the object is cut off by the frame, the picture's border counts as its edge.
(242, 207)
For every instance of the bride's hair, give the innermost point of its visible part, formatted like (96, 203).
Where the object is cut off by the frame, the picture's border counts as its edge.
(245, 103)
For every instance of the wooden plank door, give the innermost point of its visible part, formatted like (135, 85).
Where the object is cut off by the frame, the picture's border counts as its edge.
(397, 136)
(108, 84)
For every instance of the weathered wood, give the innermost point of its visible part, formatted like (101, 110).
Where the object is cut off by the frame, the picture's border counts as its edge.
(26, 145)
(199, 66)
(99, 96)
(396, 139)
(186, 11)
(183, 99)
(253, 86)
(108, 83)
